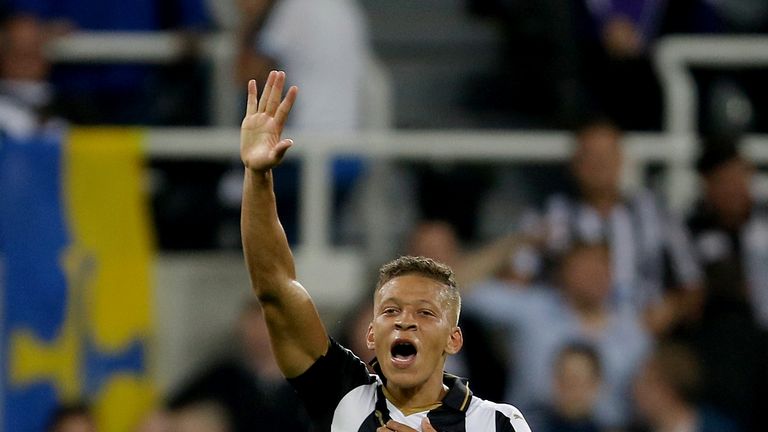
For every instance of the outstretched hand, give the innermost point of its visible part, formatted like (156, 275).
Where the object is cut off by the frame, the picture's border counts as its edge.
(261, 145)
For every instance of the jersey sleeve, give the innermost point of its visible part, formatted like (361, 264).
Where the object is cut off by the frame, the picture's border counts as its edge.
(507, 415)
(325, 383)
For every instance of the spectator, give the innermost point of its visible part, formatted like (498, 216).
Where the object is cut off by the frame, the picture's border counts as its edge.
(122, 94)
(325, 46)
(540, 321)
(324, 43)
(202, 416)
(576, 387)
(653, 265)
(666, 393)
(156, 421)
(619, 74)
(538, 83)
(72, 418)
(508, 257)
(730, 228)
(250, 387)
(25, 95)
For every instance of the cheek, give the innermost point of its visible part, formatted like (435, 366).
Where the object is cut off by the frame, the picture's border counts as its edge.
(379, 332)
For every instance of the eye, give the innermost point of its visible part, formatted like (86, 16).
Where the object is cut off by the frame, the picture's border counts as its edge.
(427, 312)
(389, 310)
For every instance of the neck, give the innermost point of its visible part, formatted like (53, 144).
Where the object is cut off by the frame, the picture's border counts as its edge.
(424, 396)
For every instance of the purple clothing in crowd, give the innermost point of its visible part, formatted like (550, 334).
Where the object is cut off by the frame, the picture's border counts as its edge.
(645, 14)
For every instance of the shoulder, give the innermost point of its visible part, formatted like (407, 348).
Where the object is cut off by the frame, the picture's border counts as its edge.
(355, 407)
(486, 415)
(337, 372)
(337, 384)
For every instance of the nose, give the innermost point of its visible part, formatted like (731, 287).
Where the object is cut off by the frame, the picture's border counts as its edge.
(406, 323)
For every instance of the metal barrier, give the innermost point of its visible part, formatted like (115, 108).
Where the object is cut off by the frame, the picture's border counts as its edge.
(160, 48)
(673, 56)
(316, 254)
(675, 148)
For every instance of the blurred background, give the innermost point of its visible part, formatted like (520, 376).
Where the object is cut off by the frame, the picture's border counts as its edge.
(593, 170)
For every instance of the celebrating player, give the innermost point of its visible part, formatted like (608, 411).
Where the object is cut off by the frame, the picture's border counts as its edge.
(414, 326)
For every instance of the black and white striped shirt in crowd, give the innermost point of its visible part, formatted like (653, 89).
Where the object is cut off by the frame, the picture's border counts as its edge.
(735, 260)
(650, 249)
(341, 396)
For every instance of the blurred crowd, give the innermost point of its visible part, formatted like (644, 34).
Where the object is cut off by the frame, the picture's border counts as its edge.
(603, 311)
(567, 57)
(611, 312)
(597, 311)
(558, 60)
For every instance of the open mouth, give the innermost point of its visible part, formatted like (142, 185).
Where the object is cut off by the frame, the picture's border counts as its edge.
(403, 353)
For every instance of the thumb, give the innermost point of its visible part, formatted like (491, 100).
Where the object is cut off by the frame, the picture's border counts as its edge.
(283, 147)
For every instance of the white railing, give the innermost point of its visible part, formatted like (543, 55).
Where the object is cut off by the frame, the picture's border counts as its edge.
(160, 48)
(673, 57)
(675, 148)
(316, 254)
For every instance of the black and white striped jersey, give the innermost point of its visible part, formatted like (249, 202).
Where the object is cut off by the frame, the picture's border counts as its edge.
(734, 259)
(651, 250)
(341, 396)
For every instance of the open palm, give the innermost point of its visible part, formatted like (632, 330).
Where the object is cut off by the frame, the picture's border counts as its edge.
(261, 145)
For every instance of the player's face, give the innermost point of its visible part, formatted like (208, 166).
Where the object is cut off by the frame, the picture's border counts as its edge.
(412, 332)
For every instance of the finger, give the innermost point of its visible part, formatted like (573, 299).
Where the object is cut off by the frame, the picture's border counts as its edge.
(266, 92)
(252, 98)
(276, 94)
(426, 426)
(399, 427)
(281, 116)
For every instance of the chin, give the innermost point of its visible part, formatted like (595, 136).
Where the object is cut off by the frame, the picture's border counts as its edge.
(407, 378)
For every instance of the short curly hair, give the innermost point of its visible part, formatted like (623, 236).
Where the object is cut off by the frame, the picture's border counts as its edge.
(428, 268)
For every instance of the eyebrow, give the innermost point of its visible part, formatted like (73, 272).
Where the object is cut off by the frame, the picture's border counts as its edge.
(398, 301)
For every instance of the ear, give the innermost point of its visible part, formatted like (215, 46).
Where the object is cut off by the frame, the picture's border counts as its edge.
(370, 341)
(455, 341)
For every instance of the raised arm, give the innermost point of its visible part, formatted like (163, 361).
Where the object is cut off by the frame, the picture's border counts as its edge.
(297, 335)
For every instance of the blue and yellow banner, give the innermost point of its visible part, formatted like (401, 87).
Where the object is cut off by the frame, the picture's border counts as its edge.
(75, 277)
